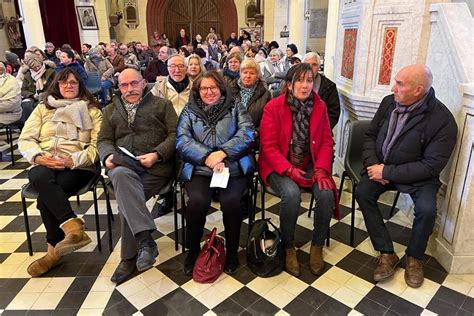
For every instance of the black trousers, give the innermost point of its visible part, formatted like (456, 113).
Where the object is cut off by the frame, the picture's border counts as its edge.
(54, 188)
(200, 196)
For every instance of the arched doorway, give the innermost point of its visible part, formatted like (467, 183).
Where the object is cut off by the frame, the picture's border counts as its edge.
(195, 16)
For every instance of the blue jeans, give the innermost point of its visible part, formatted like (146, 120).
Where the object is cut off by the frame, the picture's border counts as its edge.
(105, 86)
(424, 197)
(290, 195)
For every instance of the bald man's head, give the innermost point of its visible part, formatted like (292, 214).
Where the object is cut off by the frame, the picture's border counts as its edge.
(412, 83)
(131, 85)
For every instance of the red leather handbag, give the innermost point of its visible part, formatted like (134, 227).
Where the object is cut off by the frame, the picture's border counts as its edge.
(211, 259)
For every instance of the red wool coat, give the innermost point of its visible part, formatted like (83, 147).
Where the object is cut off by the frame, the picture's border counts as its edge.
(275, 137)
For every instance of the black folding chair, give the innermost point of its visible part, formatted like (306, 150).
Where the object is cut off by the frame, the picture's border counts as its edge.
(353, 166)
(28, 192)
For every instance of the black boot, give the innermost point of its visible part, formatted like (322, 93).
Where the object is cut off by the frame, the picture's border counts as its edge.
(189, 262)
(231, 263)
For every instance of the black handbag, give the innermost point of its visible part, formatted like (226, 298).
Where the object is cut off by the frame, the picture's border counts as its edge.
(265, 249)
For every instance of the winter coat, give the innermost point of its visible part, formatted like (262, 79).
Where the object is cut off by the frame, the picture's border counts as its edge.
(276, 132)
(38, 136)
(155, 68)
(10, 100)
(260, 97)
(422, 149)
(330, 96)
(153, 130)
(164, 89)
(28, 87)
(104, 68)
(233, 133)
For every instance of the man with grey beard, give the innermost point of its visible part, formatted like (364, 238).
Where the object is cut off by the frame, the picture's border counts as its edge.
(145, 125)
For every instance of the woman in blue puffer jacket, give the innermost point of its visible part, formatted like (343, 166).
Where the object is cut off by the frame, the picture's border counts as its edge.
(214, 132)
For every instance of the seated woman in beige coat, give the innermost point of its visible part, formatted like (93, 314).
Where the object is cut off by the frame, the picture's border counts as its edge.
(10, 97)
(59, 139)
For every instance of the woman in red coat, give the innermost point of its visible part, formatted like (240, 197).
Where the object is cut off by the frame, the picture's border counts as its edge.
(296, 152)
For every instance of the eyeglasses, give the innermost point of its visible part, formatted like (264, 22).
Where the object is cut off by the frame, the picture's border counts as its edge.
(173, 66)
(133, 84)
(206, 89)
(66, 83)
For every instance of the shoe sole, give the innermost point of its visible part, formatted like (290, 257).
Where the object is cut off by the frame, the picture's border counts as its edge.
(413, 285)
(317, 272)
(65, 250)
(121, 281)
(293, 274)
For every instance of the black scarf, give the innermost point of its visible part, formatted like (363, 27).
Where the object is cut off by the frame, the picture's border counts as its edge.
(231, 74)
(179, 86)
(211, 110)
(301, 110)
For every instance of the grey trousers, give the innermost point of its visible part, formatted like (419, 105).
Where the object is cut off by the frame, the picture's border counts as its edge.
(131, 192)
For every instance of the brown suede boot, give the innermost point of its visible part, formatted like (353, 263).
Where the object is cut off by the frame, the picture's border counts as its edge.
(316, 263)
(386, 265)
(44, 264)
(75, 237)
(414, 275)
(291, 262)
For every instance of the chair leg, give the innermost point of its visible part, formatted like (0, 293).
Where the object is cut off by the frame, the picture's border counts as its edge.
(394, 205)
(353, 214)
(328, 237)
(341, 185)
(311, 202)
(262, 197)
(10, 136)
(183, 211)
(255, 190)
(27, 226)
(97, 223)
(110, 217)
(78, 201)
(175, 214)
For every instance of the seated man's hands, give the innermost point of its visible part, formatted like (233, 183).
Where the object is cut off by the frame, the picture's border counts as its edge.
(148, 160)
(214, 158)
(298, 176)
(375, 173)
(108, 162)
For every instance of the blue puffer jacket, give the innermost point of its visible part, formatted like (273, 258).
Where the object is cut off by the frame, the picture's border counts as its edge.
(196, 139)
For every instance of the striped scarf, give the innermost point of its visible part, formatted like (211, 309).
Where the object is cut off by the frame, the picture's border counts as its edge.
(301, 110)
(246, 93)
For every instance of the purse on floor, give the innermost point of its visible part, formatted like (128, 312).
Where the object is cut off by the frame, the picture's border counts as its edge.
(211, 259)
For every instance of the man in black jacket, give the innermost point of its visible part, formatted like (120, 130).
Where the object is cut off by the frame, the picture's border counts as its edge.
(145, 125)
(325, 88)
(408, 144)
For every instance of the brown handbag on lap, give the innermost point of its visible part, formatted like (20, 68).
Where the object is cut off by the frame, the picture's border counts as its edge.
(211, 259)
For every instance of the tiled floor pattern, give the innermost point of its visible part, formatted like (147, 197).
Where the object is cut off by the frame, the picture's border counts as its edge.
(81, 285)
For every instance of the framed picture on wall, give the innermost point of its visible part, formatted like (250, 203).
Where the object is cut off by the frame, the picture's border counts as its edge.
(87, 18)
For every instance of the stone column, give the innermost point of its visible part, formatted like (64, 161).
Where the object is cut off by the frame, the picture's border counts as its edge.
(298, 25)
(32, 23)
(454, 247)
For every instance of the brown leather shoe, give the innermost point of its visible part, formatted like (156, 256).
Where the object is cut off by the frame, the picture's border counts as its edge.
(75, 237)
(291, 262)
(414, 275)
(316, 263)
(44, 264)
(386, 265)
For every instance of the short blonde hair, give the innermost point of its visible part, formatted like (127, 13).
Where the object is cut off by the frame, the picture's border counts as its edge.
(251, 63)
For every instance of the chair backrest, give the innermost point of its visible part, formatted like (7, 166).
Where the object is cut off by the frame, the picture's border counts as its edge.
(93, 83)
(353, 160)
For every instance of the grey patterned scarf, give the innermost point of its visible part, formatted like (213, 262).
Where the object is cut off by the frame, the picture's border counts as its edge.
(398, 119)
(301, 110)
(246, 93)
(131, 109)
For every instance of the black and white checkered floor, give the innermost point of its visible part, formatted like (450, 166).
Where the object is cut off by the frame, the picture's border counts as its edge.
(81, 285)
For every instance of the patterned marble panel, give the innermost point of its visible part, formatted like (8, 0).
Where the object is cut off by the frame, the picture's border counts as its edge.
(348, 53)
(388, 50)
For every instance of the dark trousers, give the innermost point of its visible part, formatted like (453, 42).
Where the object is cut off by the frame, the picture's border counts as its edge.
(54, 188)
(200, 196)
(290, 195)
(424, 197)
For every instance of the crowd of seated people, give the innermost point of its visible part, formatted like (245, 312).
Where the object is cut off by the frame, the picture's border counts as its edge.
(195, 109)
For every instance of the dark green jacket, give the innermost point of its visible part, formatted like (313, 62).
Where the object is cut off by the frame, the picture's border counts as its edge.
(154, 129)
